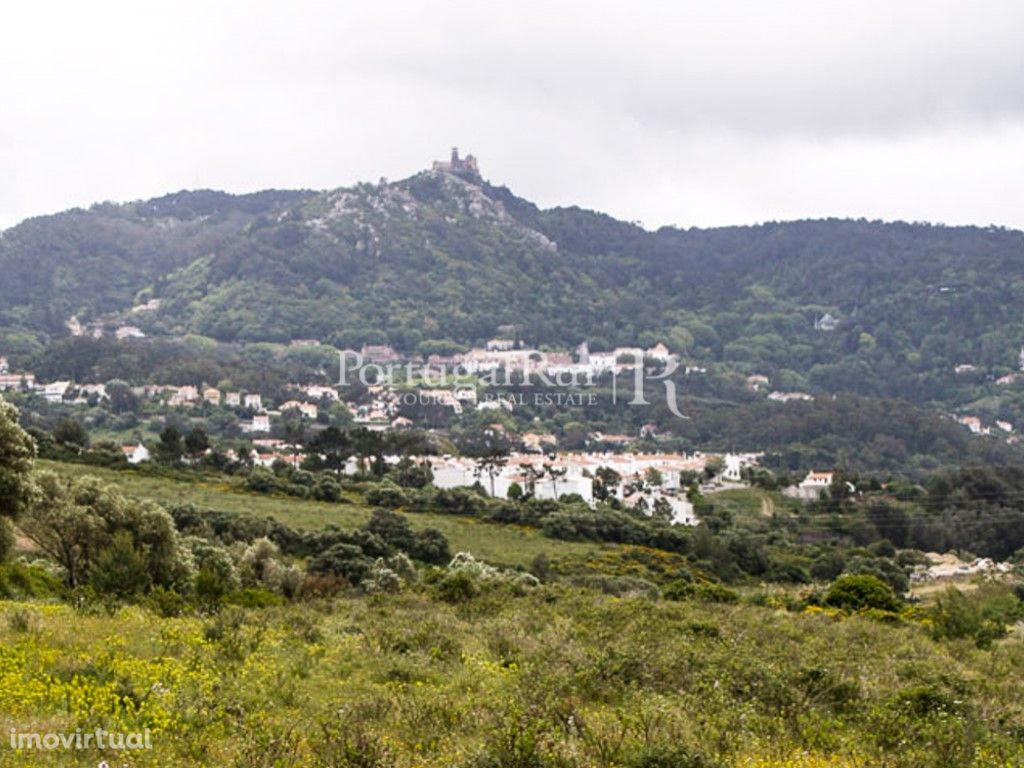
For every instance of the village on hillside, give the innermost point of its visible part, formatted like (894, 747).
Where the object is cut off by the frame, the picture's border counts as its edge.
(616, 466)
(456, 384)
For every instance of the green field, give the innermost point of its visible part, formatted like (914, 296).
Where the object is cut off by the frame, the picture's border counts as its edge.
(505, 545)
(468, 666)
(551, 679)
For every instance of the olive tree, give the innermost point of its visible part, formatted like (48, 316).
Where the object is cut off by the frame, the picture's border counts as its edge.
(80, 522)
(17, 450)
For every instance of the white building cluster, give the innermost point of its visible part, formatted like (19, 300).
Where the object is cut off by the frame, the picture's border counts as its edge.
(649, 477)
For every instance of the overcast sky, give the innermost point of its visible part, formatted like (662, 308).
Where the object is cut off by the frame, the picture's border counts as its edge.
(686, 113)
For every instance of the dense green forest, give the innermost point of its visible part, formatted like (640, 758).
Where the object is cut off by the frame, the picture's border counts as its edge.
(436, 258)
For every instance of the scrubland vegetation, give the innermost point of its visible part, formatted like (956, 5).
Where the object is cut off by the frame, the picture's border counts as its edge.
(264, 628)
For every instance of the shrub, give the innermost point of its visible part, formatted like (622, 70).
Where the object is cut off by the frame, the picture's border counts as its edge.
(828, 566)
(254, 598)
(326, 488)
(318, 586)
(394, 529)
(346, 560)
(19, 580)
(860, 592)
(620, 586)
(6, 539)
(350, 745)
(23, 621)
(76, 520)
(540, 567)
(457, 587)
(788, 572)
(670, 756)
(380, 578)
(881, 567)
(121, 568)
(957, 617)
(210, 586)
(680, 589)
(711, 592)
(262, 480)
(387, 495)
(165, 602)
(431, 546)
(458, 501)
(403, 567)
(214, 560)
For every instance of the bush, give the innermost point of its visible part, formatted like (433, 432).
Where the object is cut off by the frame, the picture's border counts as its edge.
(165, 602)
(121, 569)
(394, 529)
(262, 480)
(345, 560)
(6, 539)
(213, 559)
(620, 586)
(254, 598)
(431, 546)
(674, 756)
(788, 573)
(320, 586)
(457, 587)
(458, 501)
(19, 581)
(861, 592)
(711, 592)
(956, 617)
(387, 495)
(326, 488)
(680, 589)
(828, 566)
(210, 587)
(381, 579)
(881, 567)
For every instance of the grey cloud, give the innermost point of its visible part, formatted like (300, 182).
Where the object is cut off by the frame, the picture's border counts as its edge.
(669, 112)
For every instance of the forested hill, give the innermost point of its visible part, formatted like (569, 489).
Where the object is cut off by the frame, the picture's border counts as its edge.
(437, 260)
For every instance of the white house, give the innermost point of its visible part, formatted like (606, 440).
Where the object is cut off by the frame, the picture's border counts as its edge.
(453, 473)
(571, 483)
(658, 352)
(682, 509)
(136, 454)
(734, 464)
(316, 392)
(254, 401)
(54, 392)
(309, 410)
(826, 323)
(17, 381)
(260, 423)
(184, 396)
(811, 487)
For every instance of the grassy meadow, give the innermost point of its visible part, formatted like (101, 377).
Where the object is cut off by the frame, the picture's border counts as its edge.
(505, 545)
(555, 677)
(498, 673)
